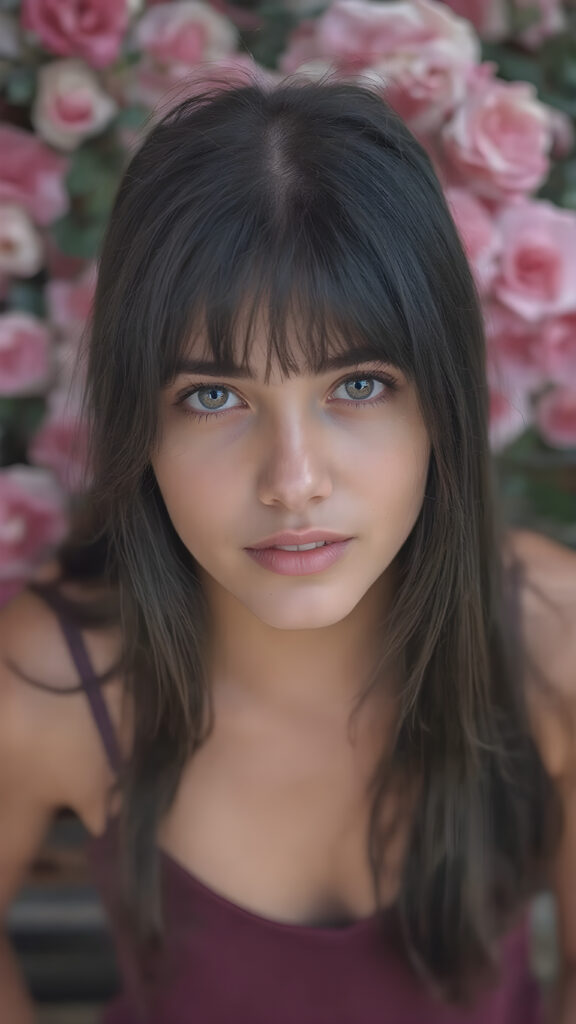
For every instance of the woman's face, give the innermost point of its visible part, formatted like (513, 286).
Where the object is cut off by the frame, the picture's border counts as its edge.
(342, 453)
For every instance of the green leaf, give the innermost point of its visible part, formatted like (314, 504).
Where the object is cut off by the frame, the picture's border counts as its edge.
(74, 238)
(84, 171)
(132, 117)
(20, 85)
(269, 43)
(27, 297)
(97, 204)
(29, 415)
(550, 501)
(7, 409)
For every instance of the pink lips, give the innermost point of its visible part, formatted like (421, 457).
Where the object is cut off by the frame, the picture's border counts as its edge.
(299, 563)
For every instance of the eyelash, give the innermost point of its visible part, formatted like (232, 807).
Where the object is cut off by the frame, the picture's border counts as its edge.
(382, 378)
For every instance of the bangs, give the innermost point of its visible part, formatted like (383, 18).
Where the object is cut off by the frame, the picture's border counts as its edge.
(309, 316)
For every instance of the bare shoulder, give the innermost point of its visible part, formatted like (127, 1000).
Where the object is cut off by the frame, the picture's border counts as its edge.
(48, 741)
(548, 601)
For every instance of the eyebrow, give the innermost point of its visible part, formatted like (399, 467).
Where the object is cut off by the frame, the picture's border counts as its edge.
(212, 369)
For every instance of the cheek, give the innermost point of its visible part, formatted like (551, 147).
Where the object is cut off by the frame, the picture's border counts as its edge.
(393, 464)
(198, 489)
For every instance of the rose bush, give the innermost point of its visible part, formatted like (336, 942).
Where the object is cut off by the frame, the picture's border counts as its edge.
(486, 85)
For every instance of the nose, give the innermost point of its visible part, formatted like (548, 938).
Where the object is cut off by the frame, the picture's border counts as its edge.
(294, 470)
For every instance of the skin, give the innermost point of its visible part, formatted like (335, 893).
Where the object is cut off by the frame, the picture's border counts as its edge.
(293, 453)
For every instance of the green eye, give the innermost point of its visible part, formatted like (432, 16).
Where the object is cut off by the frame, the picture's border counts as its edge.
(360, 388)
(212, 398)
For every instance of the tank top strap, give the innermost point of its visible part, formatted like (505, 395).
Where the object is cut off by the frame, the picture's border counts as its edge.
(88, 677)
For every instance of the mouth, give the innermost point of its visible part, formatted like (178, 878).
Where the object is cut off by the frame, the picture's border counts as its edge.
(304, 559)
(301, 540)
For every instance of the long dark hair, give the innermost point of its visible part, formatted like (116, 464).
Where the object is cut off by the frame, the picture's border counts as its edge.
(315, 203)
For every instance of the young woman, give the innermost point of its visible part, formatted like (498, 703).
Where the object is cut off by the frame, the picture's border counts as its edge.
(323, 732)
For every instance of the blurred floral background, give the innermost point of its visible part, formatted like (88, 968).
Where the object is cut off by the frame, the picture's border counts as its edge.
(488, 86)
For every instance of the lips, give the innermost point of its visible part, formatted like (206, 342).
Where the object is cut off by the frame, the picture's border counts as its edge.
(291, 538)
(276, 559)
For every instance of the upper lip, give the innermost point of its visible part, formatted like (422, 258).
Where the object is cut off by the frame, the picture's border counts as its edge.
(291, 537)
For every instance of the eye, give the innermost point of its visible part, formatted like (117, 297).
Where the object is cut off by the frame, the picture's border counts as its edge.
(210, 398)
(361, 389)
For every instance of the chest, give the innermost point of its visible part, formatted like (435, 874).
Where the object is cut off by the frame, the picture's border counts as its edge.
(279, 825)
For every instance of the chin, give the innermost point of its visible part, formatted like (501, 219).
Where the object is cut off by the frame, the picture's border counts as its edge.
(305, 615)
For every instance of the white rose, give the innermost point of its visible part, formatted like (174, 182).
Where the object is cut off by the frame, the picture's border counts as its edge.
(70, 104)
(21, 248)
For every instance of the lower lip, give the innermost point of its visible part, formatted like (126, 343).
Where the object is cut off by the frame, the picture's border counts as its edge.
(299, 563)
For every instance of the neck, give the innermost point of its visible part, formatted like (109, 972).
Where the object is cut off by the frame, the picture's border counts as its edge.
(318, 672)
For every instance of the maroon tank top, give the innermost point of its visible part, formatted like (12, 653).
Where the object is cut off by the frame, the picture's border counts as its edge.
(223, 964)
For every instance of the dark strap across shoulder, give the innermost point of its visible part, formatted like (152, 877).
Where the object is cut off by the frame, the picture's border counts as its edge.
(89, 679)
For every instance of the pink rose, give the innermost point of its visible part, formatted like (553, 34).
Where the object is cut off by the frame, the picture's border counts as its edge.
(555, 416)
(509, 411)
(514, 349)
(21, 247)
(424, 88)
(355, 34)
(479, 233)
(32, 175)
(558, 348)
(514, 370)
(360, 32)
(33, 518)
(499, 137)
(61, 442)
(184, 33)
(70, 302)
(182, 43)
(25, 354)
(70, 105)
(92, 29)
(243, 19)
(537, 275)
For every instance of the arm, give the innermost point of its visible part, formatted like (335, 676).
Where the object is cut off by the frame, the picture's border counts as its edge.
(550, 631)
(29, 780)
(24, 818)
